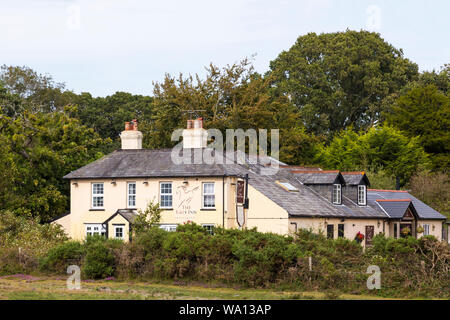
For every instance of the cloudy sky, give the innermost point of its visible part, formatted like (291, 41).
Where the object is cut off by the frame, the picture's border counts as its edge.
(104, 46)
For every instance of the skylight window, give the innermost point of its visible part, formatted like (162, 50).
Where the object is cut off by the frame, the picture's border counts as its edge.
(287, 186)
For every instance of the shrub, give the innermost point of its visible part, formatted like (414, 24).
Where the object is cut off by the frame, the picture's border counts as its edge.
(60, 257)
(12, 261)
(99, 261)
(28, 234)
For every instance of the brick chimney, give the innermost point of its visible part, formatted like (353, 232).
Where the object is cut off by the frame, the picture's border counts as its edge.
(195, 136)
(131, 137)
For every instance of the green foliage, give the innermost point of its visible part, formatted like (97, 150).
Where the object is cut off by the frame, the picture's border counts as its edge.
(262, 256)
(27, 233)
(38, 150)
(148, 218)
(381, 179)
(29, 91)
(433, 188)
(340, 79)
(99, 261)
(382, 147)
(424, 111)
(107, 115)
(233, 97)
(61, 256)
(411, 266)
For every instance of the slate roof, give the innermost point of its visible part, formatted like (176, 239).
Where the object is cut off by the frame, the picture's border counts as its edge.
(128, 214)
(394, 207)
(305, 202)
(318, 176)
(355, 178)
(144, 163)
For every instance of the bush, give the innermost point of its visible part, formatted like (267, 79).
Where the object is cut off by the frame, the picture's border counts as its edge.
(28, 234)
(261, 257)
(250, 258)
(12, 261)
(99, 261)
(60, 257)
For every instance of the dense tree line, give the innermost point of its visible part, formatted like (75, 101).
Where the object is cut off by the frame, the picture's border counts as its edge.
(346, 100)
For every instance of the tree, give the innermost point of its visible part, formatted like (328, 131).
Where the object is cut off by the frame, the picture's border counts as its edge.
(108, 115)
(433, 188)
(36, 92)
(338, 80)
(232, 97)
(424, 111)
(148, 218)
(383, 147)
(37, 151)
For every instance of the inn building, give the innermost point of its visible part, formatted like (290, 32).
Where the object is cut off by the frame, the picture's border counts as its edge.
(106, 194)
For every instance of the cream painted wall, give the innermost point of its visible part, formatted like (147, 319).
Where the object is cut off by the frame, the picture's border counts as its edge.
(264, 214)
(64, 222)
(435, 228)
(118, 220)
(187, 201)
(351, 226)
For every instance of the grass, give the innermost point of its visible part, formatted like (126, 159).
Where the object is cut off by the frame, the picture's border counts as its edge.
(51, 288)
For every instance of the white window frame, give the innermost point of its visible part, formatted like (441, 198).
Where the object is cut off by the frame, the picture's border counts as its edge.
(209, 194)
(94, 229)
(362, 188)
(426, 229)
(97, 195)
(131, 195)
(337, 192)
(209, 227)
(165, 194)
(115, 231)
(169, 227)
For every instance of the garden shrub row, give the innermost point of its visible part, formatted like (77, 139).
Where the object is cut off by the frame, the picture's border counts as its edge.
(248, 258)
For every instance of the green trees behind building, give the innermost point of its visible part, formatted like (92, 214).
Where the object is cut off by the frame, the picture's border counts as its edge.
(345, 100)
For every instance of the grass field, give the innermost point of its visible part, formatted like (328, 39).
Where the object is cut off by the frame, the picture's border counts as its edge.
(26, 287)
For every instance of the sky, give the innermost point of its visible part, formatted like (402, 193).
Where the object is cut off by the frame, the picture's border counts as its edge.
(104, 46)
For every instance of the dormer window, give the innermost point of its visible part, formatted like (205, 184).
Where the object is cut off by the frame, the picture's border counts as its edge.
(337, 194)
(362, 195)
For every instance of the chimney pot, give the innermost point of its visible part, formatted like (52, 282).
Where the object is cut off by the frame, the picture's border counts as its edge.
(131, 137)
(194, 136)
(135, 124)
(198, 123)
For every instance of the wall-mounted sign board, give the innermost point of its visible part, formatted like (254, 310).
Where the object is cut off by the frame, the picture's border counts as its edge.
(240, 192)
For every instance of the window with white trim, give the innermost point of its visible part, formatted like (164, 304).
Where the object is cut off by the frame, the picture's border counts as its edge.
(131, 195)
(362, 195)
(165, 195)
(209, 198)
(118, 232)
(95, 229)
(97, 195)
(168, 227)
(426, 229)
(337, 194)
(209, 228)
